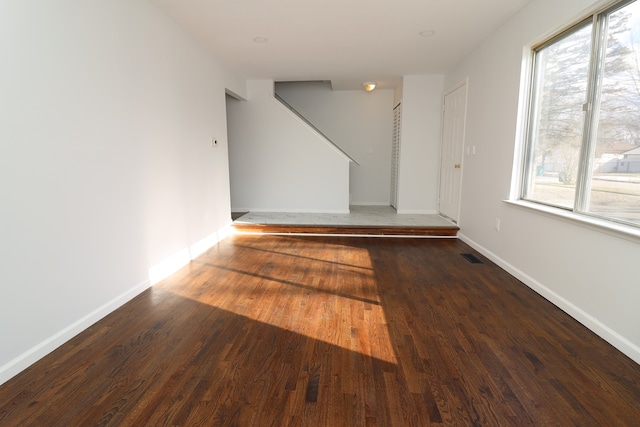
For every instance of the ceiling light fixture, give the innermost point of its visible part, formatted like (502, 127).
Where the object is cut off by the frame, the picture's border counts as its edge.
(260, 39)
(427, 33)
(369, 86)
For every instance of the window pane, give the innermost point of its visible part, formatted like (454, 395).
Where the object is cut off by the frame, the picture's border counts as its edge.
(614, 186)
(560, 88)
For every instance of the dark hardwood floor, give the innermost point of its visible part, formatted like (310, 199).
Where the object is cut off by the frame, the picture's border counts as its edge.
(331, 331)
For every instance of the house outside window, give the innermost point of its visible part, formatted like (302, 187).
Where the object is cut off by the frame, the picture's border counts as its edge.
(582, 150)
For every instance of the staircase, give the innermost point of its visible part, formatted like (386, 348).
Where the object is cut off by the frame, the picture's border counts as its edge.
(313, 127)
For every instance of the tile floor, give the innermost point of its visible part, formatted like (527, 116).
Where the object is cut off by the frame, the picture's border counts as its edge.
(359, 215)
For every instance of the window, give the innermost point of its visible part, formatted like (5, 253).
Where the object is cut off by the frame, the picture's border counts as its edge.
(583, 143)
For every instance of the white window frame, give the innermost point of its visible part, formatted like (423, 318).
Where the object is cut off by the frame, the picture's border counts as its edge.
(522, 167)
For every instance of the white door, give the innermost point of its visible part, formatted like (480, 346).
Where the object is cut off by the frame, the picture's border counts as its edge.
(453, 124)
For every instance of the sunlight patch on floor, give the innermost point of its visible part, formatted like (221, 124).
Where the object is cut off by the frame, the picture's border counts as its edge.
(329, 300)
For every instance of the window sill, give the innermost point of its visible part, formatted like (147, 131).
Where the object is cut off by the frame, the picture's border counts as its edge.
(608, 227)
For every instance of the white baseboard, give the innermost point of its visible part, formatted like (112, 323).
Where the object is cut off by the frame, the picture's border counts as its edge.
(175, 262)
(417, 212)
(156, 273)
(40, 350)
(603, 331)
(302, 210)
(360, 203)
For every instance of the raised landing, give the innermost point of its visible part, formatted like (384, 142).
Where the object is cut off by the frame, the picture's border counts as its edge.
(362, 220)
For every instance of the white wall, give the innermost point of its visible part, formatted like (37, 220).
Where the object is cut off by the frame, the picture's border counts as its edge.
(591, 275)
(397, 95)
(277, 163)
(106, 167)
(419, 167)
(360, 123)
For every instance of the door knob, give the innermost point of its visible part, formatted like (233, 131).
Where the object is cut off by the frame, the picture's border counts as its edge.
(457, 166)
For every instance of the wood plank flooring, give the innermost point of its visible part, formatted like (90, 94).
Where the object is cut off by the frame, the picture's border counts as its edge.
(331, 331)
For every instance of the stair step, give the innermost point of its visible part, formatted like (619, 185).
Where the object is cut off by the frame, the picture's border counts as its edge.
(449, 231)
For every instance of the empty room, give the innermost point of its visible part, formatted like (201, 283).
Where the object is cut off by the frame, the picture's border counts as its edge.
(320, 213)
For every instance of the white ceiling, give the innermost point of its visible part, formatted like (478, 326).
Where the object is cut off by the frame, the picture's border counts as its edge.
(345, 41)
